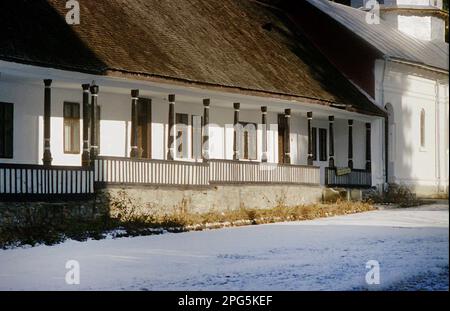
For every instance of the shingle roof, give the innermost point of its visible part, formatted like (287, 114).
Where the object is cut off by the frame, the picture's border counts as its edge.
(386, 39)
(215, 42)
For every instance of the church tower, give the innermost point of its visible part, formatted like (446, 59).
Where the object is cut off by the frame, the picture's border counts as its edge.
(423, 19)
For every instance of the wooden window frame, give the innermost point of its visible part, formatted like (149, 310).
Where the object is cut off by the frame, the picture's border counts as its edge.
(7, 152)
(244, 156)
(75, 148)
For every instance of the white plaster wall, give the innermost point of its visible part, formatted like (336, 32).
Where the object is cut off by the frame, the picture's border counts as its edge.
(28, 106)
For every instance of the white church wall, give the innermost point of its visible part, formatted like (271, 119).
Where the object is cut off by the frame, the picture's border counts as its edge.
(409, 90)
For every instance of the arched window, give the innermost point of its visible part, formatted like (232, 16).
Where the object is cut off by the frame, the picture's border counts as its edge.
(422, 128)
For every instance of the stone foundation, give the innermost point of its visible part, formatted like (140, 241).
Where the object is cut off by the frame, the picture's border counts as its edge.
(152, 201)
(27, 214)
(157, 201)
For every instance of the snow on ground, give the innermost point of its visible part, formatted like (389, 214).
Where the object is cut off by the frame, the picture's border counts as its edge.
(411, 246)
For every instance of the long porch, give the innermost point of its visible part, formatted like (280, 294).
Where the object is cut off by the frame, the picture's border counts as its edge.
(191, 144)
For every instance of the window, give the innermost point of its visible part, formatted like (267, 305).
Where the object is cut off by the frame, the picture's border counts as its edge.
(314, 143)
(422, 128)
(322, 144)
(6, 130)
(71, 128)
(97, 128)
(248, 141)
(197, 137)
(181, 143)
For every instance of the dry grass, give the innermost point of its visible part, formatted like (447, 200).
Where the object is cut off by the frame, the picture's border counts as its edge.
(183, 220)
(399, 195)
(131, 223)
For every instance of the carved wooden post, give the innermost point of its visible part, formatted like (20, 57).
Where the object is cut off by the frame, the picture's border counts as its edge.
(47, 158)
(350, 143)
(264, 134)
(85, 157)
(134, 152)
(171, 140)
(235, 137)
(287, 136)
(368, 147)
(331, 138)
(310, 144)
(94, 144)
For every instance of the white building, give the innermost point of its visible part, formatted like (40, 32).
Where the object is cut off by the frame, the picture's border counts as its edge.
(158, 71)
(402, 63)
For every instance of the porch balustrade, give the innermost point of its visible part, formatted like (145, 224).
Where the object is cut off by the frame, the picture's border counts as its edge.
(34, 182)
(116, 170)
(234, 172)
(355, 178)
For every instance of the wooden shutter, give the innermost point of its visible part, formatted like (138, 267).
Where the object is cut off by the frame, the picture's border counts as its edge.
(71, 128)
(6, 130)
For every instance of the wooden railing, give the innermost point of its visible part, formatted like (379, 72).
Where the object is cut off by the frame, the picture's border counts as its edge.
(356, 178)
(235, 172)
(35, 182)
(116, 170)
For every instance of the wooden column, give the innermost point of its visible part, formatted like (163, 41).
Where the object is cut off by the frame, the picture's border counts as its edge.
(368, 147)
(331, 141)
(287, 137)
(94, 144)
(171, 125)
(47, 158)
(236, 107)
(264, 133)
(310, 144)
(85, 157)
(350, 143)
(134, 152)
(205, 143)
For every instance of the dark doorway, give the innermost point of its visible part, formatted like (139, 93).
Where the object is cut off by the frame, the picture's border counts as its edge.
(281, 142)
(144, 138)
